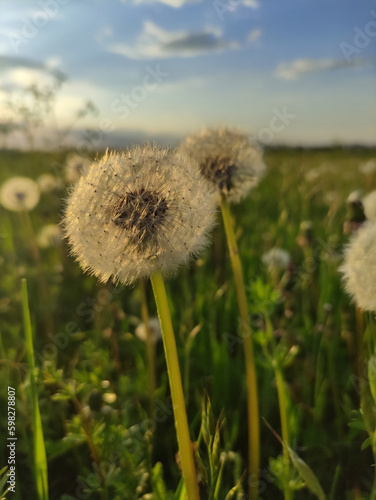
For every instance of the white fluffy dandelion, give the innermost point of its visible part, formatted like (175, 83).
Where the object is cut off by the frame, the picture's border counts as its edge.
(359, 267)
(139, 212)
(155, 330)
(369, 205)
(228, 159)
(276, 258)
(49, 236)
(19, 194)
(75, 166)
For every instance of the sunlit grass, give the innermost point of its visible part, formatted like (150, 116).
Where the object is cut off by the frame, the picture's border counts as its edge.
(93, 382)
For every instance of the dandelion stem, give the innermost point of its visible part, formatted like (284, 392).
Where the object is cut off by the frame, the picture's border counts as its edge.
(284, 428)
(173, 370)
(251, 378)
(150, 347)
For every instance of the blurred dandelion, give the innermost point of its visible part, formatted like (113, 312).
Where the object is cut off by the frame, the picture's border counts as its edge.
(276, 258)
(359, 267)
(368, 167)
(228, 159)
(19, 194)
(48, 183)
(354, 196)
(313, 175)
(155, 330)
(369, 205)
(354, 212)
(138, 212)
(75, 166)
(49, 236)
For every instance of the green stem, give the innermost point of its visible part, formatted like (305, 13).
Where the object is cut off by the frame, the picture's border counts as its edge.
(285, 430)
(150, 346)
(250, 368)
(173, 370)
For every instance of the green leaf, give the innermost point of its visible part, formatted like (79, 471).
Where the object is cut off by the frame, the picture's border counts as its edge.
(307, 474)
(159, 488)
(366, 443)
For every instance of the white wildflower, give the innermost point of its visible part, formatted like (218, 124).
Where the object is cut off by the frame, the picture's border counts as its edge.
(228, 159)
(359, 267)
(369, 205)
(75, 166)
(155, 330)
(19, 194)
(49, 236)
(48, 183)
(138, 212)
(276, 258)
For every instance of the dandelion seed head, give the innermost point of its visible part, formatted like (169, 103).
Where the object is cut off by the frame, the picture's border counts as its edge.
(276, 258)
(359, 267)
(155, 330)
(19, 194)
(137, 212)
(227, 159)
(49, 236)
(48, 183)
(75, 166)
(368, 167)
(369, 205)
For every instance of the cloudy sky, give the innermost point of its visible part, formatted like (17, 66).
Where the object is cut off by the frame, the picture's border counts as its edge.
(291, 71)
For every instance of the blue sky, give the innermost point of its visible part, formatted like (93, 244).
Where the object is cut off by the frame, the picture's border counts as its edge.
(292, 71)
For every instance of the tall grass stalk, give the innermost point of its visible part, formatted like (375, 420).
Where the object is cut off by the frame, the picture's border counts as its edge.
(176, 387)
(250, 368)
(40, 459)
(284, 429)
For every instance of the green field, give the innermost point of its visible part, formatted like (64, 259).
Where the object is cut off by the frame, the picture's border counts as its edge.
(102, 439)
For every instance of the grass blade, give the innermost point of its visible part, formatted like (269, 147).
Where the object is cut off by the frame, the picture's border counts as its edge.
(40, 459)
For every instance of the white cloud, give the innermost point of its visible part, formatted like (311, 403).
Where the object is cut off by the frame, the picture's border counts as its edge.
(293, 69)
(253, 4)
(254, 35)
(171, 3)
(156, 42)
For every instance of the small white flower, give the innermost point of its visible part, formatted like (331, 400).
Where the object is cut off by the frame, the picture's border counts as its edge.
(138, 212)
(369, 205)
(49, 236)
(48, 183)
(367, 167)
(359, 267)
(75, 166)
(276, 258)
(19, 194)
(228, 159)
(155, 330)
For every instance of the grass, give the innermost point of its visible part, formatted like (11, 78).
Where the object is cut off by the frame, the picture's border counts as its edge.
(103, 438)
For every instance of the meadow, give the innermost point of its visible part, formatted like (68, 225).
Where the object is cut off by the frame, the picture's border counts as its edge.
(105, 436)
